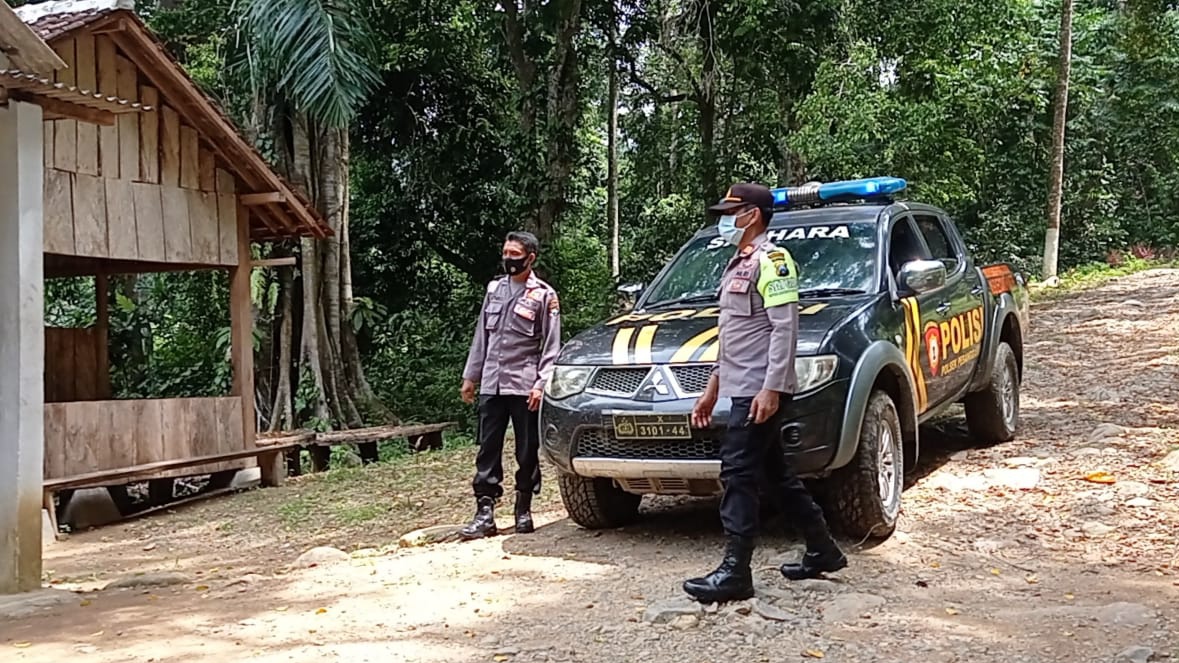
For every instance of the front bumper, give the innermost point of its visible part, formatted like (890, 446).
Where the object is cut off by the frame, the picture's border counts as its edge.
(577, 437)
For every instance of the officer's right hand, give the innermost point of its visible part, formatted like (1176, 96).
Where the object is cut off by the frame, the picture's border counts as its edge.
(468, 391)
(702, 411)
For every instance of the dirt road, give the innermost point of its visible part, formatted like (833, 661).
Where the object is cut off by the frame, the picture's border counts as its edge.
(1003, 554)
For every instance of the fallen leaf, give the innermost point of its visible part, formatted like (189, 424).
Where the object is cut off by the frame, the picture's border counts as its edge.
(500, 658)
(951, 611)
(1069, 597)
(281, 609)
(150, 546)
(21, 645)
(1032, 579)
(935, 565)
(96, 634)
(202, 588)
(1100, 477)
(995, 572)
(814, 653)
(84, 602)
(321, 611)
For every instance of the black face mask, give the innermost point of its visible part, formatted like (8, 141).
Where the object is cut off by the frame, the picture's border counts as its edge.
(514, 266)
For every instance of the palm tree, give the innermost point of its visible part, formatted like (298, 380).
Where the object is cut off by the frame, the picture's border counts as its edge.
(310, 63)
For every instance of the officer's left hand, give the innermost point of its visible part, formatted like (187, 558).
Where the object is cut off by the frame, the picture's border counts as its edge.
(765, 404)
(534, 397)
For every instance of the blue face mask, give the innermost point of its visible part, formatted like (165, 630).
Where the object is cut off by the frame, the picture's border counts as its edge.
(727, 226)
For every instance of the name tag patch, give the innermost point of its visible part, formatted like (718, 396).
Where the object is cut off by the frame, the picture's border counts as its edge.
(739, 285)
(525, 312)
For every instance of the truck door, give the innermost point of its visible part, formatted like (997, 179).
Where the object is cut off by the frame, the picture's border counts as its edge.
(958, 308)
(920, 314)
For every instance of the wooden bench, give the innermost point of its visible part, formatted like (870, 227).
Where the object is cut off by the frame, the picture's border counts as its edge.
(420, 437)
(270, 461)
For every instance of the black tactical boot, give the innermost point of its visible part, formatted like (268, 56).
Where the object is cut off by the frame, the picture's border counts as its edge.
(822, 556)
(732, 580)
(524, 512)
(483, 524)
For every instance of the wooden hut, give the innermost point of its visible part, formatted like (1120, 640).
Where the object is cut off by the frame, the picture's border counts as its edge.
(172, 187)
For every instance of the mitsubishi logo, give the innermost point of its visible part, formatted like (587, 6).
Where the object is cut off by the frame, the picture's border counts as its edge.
(655, 388)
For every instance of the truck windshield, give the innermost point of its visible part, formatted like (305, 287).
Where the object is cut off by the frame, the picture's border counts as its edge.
(832, 260)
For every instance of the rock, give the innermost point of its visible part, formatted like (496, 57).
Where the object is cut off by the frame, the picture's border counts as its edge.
(1133, 302)
(365, 553)
(664, 612)
(85, 649)
(816, 585)
(1171, 461)
(1132, 488)
(960, 456)
(18, 606)
(1023, 478)
(248, 579)
(161, 579)
(685, 622)
(1106, 430)
(430, 535)
(1124, 614)
(850, 607)
(1137, 654)
(711, 608)
(1140, 503)
(321, 556)
(1021, 461)
(956, 483)
(90, 507)
(771, 612)
(507, 651)
(1087, 451)
(489, 642)
(752, 626)
(1094, 528)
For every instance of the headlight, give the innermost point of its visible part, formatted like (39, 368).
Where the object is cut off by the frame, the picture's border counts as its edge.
(814, 371)
(567, 381)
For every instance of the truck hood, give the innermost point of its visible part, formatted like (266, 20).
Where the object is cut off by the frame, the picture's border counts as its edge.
(687, 335)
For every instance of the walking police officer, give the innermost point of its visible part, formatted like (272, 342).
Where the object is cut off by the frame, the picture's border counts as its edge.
(511, 357)
(755, 368)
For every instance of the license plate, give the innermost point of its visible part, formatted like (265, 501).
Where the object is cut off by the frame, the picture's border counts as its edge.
(652, 427)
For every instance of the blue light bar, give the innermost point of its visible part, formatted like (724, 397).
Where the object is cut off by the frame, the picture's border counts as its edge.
(872, 187)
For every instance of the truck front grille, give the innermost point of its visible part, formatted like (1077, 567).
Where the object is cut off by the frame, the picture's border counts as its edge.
(692, 379)
(624, 381)
(597, 443)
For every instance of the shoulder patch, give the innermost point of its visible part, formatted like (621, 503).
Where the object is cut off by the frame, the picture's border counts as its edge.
(554, 304)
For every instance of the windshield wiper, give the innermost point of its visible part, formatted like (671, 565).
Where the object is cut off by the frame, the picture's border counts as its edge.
(694, 299)
(830, 292)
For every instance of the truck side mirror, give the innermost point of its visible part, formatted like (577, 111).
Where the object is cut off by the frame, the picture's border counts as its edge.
(921, 276)
(629, 294)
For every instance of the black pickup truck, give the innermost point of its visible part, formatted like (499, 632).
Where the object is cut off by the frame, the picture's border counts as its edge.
(897, 323)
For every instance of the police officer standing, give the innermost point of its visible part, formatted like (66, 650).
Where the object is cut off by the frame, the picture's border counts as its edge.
(755, 368)
(511, 357)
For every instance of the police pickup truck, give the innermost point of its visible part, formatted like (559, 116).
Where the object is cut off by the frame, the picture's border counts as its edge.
(897, 322)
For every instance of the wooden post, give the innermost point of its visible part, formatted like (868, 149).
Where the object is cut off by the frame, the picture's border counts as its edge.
(22, 353)
(241, 321)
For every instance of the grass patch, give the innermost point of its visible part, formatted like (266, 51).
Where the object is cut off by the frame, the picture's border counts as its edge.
(1094, 275)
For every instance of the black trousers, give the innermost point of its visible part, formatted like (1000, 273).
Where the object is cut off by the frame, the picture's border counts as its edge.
(494, 414)
(751, 453)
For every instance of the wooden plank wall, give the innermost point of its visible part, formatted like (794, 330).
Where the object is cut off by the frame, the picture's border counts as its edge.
(76, 365)
(147, 188)
(92, 436)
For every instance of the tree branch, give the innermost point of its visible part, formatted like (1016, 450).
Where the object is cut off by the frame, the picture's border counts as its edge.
(683, 63)
(514, 35)
(651, 90)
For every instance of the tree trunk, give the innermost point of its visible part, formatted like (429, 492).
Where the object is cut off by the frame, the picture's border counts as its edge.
(612, 150)
(1060, 117)
(281, 415)
(706, 123)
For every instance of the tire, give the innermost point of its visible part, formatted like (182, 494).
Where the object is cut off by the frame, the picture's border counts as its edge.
(992, 415)
(596, 503)
(864, 496)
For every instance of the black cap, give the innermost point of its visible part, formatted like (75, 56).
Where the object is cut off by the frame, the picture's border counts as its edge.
(743, 194)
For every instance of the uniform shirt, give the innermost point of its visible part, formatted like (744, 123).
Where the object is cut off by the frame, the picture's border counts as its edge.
(758, 321)
(517, 337)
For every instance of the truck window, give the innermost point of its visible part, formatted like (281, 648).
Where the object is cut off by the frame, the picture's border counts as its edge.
(903, 246)
(938, 241)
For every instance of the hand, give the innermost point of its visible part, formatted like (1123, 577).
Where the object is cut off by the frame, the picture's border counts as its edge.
(534, 397)
(702, 410)
(765, 404)
(468, 391)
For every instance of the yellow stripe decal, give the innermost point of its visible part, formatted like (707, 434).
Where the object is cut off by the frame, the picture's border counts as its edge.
(711, 352)
(913, 328)
(622, 345)
(643, 344)
(812, 309)
(684, 354)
